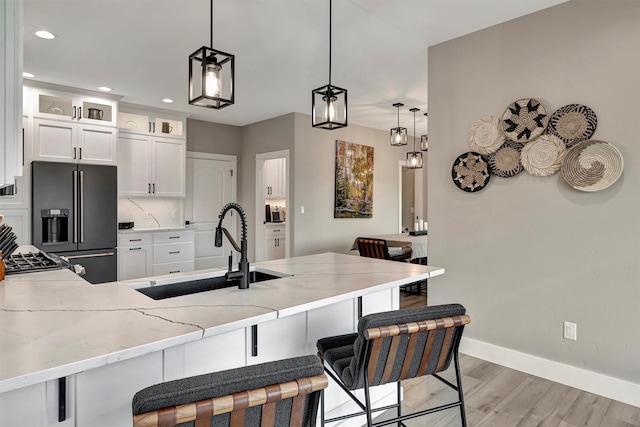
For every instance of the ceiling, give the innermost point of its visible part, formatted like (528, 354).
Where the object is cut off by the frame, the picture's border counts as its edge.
(140, 49)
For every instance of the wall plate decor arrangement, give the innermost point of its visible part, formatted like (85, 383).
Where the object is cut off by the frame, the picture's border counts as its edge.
(354, 180)
(592, 165)
(485, 135)
(524, 120)
(543, 156)
(471, 171)
(573, 123)
(505, 161)
(527, 138)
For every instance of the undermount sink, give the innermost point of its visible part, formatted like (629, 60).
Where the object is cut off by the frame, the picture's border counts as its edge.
(179, 286)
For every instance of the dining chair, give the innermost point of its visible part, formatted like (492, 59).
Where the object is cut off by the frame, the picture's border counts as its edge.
(393, 346)
(284, 392)
(377, 248)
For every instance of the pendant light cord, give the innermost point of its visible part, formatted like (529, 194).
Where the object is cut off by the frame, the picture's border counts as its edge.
(211, 25)
(329, 42)
(414, 131)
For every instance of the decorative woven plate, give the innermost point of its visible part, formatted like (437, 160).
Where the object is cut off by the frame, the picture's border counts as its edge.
(543, 156)
(505, 162)
(485, 135)
(471, 171)
(573, 123)
(592, 165)
(524, 120)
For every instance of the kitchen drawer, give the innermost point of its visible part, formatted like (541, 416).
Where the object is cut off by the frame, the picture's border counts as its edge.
(171, 252)
(173, 267)
(135, 239)
(274, 230)
(173, 236)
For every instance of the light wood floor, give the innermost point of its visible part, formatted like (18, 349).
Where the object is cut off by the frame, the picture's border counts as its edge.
(501, 397)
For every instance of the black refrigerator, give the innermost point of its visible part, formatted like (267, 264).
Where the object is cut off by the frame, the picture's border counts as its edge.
(74, 210)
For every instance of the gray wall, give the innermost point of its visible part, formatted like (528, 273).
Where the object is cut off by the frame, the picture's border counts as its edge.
(314, 187)
(262, 137)
(527, 253)
(216, 138)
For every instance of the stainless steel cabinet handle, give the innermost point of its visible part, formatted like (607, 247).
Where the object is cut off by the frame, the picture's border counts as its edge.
(81, 206)
(75, 206)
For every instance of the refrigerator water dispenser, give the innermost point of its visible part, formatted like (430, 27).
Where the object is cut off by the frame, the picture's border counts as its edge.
(55, 225)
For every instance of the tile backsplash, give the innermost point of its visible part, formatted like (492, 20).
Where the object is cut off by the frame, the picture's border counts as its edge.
(151, 212)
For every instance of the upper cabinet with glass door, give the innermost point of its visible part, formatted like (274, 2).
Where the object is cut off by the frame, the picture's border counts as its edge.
(56, 105)
(157, 123)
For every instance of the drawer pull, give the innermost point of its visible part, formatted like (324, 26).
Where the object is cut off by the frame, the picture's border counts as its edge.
(174, 252)
(174, 237)
(276, 231)
(135, 249)
(135, 240)
(174, 271)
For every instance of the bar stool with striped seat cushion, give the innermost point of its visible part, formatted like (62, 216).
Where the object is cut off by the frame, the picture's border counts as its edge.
(281, 393)
(393, 346)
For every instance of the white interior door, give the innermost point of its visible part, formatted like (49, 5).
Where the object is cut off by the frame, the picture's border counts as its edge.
(210, 185)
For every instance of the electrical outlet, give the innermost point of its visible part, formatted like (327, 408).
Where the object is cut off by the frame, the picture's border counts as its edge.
(145, 215)
(570, 331)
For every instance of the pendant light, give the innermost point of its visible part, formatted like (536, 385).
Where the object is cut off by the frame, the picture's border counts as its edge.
(424, 139)
(211, 76)
(329, 103)
(414, 158)
(398, 135)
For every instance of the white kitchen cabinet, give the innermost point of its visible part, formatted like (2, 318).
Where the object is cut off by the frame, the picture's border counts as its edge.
(173, 252)
(18, 220)
(135, 255)
(151, 166)
(13, 411)
(275, 178)
(70, 107)
(149, 122)
(103, 395)
(275, 242)
(64, 141)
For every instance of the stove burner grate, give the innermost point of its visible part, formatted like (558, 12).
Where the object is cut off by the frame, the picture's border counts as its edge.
(29, 262)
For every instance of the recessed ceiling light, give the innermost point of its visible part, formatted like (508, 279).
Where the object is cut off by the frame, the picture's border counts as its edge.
(27, 75)
(104, 88)
(167, 100)
(45, 34)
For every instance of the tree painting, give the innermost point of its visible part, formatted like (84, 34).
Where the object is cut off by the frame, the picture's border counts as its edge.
(354, 181)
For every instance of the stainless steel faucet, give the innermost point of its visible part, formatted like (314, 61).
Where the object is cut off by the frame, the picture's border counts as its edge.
(243, 266)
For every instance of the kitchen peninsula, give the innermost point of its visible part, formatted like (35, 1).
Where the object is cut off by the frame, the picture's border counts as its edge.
(109, 341)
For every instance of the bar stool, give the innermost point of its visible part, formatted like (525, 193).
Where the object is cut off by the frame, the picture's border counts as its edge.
(285, 392)
(393, 346)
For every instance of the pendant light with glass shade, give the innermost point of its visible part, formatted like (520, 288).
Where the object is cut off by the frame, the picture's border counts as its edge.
(398, 135)
(329, 102)
(424, 139)
(211, 76)
(414, 158)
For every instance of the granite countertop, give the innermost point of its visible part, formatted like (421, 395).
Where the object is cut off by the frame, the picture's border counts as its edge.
(54, 324)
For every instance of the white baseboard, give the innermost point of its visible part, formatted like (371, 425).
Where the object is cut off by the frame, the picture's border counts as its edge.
(593, 382)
